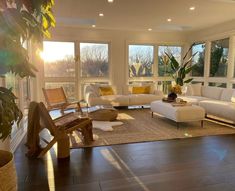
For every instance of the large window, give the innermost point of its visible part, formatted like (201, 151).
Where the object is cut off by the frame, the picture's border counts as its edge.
(221, 85)
(141, 60)
(94, 59)
(58, 59)
(164, 68)
(219, 58)
(198, 60)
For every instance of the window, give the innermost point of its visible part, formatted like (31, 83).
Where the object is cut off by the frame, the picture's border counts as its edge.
(219, 58)
(233, 86)
(198, 60)
(164, 68)
(141, 60)
(58, 59)
(221, 85)
(69, 88)
(94, 59)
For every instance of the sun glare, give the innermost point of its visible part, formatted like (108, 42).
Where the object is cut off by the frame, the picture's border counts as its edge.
(54, 51)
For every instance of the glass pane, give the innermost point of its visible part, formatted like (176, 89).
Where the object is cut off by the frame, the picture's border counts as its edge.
(198, 59)
(233, 86)
(13, 82)
(221, 85)
(58, 59)
(141, 60)
(69, 88)
(219, 58)
(164, 68)
(197, 82)
(94, 59)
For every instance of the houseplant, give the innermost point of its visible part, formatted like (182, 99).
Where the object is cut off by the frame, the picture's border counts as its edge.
(179, 71)
(20, 21)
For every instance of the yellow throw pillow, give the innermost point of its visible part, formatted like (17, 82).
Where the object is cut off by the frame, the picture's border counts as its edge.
(106, 91)
(141, 90)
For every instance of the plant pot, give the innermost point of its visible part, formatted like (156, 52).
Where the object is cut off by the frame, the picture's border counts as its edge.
(5, 145)
(8, 178)
(172, 96)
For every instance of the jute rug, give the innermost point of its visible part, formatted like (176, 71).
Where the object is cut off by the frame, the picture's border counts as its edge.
(138, 126)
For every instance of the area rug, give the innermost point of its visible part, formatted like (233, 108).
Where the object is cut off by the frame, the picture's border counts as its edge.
(139, 126)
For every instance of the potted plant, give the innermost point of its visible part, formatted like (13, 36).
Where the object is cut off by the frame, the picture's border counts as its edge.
(179, 72)
(20, 21)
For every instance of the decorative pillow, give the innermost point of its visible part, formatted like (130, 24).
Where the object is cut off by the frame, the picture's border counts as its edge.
(141, 90)
(106, 90)
(196, 89)
(233, 97)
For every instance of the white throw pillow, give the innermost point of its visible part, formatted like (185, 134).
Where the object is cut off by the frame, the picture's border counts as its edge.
(233, 97)
(196, 89)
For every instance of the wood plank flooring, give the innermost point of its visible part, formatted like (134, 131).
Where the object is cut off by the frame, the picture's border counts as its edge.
(195, 164)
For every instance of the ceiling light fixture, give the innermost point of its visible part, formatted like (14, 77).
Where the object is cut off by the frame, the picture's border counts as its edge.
(93, 26)
(110, 1)
(101, 14)
(192, 8)
(150, 29)
(169, 20)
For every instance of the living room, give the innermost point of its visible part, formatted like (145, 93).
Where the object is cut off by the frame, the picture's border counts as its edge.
(106, 54)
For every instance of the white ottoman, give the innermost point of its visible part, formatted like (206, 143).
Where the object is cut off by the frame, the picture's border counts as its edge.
(178, 114)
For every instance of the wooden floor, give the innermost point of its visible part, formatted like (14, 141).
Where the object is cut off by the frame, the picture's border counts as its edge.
(195, 164)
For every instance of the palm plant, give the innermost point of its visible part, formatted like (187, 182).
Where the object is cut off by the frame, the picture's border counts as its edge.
(180, 71)
(20, 21)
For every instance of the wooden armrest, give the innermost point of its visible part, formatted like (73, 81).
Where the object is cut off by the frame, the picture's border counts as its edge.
(62, 116)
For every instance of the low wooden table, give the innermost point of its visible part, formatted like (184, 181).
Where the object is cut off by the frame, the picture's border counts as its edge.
(102, 113)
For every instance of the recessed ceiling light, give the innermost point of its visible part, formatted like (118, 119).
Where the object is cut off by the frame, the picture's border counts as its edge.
(169, 20)
(93, 26)
(101, 14)
(191, 8)
(110, 1)
(150, 29)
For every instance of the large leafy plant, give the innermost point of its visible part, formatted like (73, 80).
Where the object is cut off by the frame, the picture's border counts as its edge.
(21, 21)
(179, 71)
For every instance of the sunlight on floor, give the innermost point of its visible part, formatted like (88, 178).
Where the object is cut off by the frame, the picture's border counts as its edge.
(117, 162)
(125, 116)
(50, 172)
(187, 135)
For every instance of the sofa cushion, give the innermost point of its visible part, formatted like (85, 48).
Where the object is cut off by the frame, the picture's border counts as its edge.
(227, 94)
(233, 97)
(222, 109)
(194, 89)
(115, 100)
(211, 92)
(143, 99)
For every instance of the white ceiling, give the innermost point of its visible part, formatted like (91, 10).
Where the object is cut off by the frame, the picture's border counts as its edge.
(144, 14)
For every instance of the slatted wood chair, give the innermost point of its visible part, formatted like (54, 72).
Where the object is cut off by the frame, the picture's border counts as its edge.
(60, 128)
(56, 99)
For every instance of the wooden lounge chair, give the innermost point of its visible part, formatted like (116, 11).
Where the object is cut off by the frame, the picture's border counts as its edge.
(58, 128)
(56, 99)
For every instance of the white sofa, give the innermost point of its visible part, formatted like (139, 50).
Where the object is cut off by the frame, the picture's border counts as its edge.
(93, 98)
(219, 102)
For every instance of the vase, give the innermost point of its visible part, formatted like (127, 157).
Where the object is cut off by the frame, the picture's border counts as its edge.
(172, 96)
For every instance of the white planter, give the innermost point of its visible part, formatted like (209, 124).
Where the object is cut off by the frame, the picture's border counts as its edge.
(8, 178)
(5, 145)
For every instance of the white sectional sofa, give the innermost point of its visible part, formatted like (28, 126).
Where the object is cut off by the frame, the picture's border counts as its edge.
(93, 97)
(219, 102)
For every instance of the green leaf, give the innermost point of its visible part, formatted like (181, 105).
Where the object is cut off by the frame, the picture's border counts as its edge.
(188, 81)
